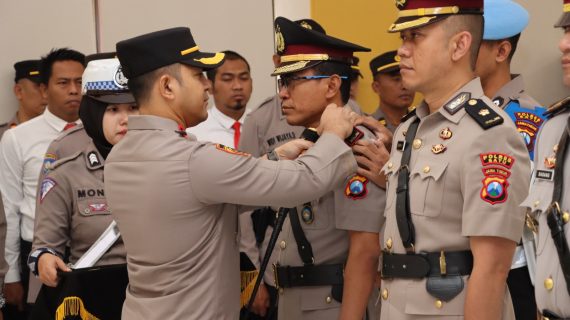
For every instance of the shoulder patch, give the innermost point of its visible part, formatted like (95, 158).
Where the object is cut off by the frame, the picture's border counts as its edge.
(231, 150)
(457, 102)
(496, 171)
(61, 161)
(46, 187)
(483, 114)
(356, 187)
(408, 115)
(49, 159)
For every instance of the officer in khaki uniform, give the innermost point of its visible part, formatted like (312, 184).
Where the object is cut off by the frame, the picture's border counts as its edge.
(72, 208)
(395, 99)
(171, 195)
(457, 172)
(27, 91)
(548, 202)
(326, 253)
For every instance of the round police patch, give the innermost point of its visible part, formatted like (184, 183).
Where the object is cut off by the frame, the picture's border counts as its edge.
(120, 80)
(356, 187)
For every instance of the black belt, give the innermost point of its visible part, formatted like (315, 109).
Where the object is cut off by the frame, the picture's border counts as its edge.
(417, 266)
(547, 315)
(306, 276)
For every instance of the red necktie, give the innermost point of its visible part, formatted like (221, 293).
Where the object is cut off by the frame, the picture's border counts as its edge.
(237, 133)
(69, 125)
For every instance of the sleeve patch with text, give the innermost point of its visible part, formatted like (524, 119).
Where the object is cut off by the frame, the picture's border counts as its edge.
(496, 171)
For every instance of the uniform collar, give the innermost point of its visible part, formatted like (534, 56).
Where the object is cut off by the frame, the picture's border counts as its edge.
(93, 158)
(457, 102)
(511, 90)
(148, 122)
(55, 122)
(225, 121)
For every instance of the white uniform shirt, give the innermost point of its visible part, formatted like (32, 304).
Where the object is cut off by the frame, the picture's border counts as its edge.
(22, 153)
(217, 128)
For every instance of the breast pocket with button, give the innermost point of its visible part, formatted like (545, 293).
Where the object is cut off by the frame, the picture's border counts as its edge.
(427, 186)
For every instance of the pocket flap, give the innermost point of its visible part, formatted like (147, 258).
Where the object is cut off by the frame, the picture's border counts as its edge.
(317, 298)
(432, 170)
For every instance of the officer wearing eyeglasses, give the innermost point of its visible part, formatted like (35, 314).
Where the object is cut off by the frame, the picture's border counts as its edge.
(328, 250)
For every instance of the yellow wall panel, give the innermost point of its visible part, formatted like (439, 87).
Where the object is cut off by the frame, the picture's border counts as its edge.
(363, 22)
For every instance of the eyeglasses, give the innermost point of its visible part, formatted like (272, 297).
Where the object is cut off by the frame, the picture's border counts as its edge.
(285, 82)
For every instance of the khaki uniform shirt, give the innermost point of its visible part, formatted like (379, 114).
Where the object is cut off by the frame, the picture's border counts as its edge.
(171, 199)
(454, 194)
(380, 116)
(550, 286)
(334, 214)
(72, 208)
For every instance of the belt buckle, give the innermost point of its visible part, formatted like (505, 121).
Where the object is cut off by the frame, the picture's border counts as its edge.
(275, 276)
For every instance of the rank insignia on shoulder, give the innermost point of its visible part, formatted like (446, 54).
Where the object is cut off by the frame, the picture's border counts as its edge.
(231, 150)
(49, 159)
(307, 213)
(498, 101)
(483, 114)
(93, 159)
(457, 103)
(46, 187)
(356, 188)
(496, 171)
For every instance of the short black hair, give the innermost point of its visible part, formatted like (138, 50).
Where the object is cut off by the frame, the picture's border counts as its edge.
(141, 86)
(55, 55)
(514, 41)
(329, 68)
(230, 55)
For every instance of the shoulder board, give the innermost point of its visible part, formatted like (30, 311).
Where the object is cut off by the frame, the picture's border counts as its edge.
(57, 163)
(409, 115)
(265, 101)
(558, 107)
(483, 114)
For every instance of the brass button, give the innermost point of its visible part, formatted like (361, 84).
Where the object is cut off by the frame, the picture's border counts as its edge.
(87, 210)
(417, 143)
(536, 203)
(328, 300)
(549, 284)
(438, 304)
(390, 165)
(427, 169)
(282, 244)
(385, 294)
(389, 243)
(565, 217)
(472, 102)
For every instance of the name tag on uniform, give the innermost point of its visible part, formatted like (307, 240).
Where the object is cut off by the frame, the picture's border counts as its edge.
(544, 174)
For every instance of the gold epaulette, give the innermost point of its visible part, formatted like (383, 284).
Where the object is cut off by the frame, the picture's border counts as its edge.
(73, 307)
(248, 279)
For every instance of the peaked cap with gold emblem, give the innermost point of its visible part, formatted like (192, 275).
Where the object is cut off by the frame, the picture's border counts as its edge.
(28, 69)
(387, 62)
(564, 20)
(417, 13)
(158, 49)
(301, 48)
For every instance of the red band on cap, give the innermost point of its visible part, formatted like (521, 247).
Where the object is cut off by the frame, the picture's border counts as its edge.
(462, 4)
(292, 49)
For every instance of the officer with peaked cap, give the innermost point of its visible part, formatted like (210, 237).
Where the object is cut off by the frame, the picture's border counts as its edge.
(27, 91)
(328, 249)
(395, 98)
(171, 195)
(549, 200)
(457, 173)
(505, 20)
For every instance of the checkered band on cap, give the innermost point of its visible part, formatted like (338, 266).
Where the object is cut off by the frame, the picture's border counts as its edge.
(102, 86)
(104, 75)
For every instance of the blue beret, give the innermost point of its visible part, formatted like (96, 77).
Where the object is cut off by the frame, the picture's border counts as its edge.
(503, 19)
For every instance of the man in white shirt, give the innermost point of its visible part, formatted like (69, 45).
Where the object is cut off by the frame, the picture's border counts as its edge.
(22, 152)
(231, 90)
